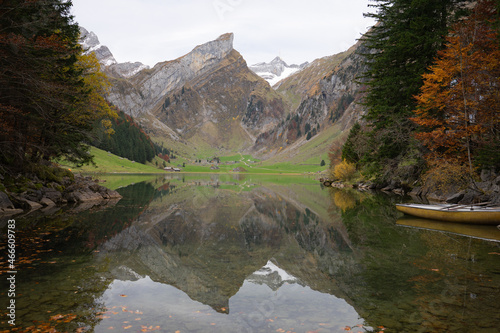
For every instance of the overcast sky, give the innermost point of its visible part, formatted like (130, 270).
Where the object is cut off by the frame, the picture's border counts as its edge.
(151, 31)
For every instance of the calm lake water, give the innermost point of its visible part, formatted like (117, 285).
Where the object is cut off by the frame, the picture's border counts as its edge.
(222, 253)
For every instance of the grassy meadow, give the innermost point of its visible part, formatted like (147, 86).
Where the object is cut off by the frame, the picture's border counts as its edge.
(107, 163)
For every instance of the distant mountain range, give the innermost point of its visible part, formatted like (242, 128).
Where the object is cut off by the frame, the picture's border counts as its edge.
(276, 70)
(210, 102)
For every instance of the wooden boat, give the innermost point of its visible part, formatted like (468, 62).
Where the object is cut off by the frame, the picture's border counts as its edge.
(481, 231)
(475, 214)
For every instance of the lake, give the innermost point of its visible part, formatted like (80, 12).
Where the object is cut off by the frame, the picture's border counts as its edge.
(246, 253)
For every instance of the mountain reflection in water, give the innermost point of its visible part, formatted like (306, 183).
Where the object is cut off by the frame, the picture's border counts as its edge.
(217, 253)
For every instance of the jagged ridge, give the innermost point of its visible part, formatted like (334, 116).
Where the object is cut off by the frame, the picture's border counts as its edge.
(209, 99)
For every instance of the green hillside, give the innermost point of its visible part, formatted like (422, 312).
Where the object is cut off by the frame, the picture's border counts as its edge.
(110, 163)
(309, 152)
(107, 163)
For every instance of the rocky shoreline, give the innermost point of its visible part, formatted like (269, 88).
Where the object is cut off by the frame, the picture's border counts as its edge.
(485, 190)
(48, 194)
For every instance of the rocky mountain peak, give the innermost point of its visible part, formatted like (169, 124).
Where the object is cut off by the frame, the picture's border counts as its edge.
(219, 47)
(210, 52)
(278, 61)
(149, 90)
(90, 43)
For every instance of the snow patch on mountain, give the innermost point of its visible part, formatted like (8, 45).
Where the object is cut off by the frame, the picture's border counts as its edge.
(276, 70)
(90, 43)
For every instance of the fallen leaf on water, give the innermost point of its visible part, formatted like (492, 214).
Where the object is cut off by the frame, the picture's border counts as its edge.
(435, 269)
(347, 328)
(57, 317)
(280, 330)
(127, 327)
(103, 317)
(122, 295)
(138, 319)
(70, 318)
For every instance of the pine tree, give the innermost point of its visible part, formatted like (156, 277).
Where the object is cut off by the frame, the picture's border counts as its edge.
(400, 48)
(44, 96)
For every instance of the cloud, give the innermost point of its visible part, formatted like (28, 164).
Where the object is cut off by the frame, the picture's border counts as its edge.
(151, 31)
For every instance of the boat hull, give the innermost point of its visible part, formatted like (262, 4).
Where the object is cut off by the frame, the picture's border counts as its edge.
(478, 215)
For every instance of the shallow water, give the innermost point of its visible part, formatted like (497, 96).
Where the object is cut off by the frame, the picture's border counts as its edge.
(216, 253)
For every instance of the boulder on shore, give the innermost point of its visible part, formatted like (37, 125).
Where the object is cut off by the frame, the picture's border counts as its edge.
(80, 190)
(5, 202)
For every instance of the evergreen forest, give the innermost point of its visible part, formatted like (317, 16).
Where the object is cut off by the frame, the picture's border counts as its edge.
(128, 140)
(432, 91)
(51, 94)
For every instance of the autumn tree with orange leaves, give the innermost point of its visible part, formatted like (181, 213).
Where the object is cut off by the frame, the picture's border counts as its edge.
(458, 108)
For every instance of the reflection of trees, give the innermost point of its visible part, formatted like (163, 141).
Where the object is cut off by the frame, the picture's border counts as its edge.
(382, 254)
(57, 285)
(415, 280)
(344, 200)
(457, 283)
(71, 284)
(397, 277)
